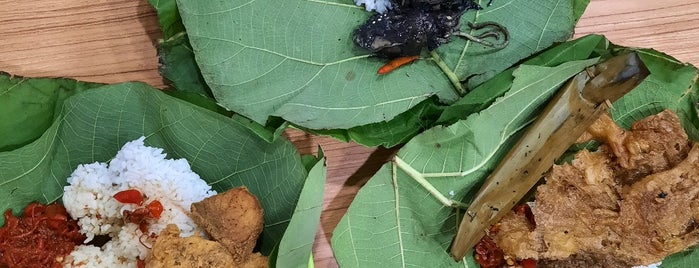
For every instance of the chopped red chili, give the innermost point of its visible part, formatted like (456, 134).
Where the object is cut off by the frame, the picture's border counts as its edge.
(155, 208)
(488, 254)
(130, 196)
(40, 238)
(142, 215)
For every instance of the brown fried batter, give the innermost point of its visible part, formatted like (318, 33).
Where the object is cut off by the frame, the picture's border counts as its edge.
(632, 202)
(233, 218)
(654, 144)
(171, 250)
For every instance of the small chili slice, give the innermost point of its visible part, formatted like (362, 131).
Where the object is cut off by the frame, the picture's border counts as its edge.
(396, 63)
(130, 196)
(140, 263)
(155, 208)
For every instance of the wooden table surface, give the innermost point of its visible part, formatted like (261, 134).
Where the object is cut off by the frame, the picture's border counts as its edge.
(112, 41)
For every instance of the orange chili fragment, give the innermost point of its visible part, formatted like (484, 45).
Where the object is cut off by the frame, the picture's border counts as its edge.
(155, 208)
(396, 63)
(130, 196)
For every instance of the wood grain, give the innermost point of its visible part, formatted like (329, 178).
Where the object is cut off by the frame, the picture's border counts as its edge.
(113, 41)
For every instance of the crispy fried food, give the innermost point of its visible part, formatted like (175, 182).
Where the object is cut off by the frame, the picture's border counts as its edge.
(632, 202)
(256, 260)
(171, 250)
(234, 218)
(654, 144)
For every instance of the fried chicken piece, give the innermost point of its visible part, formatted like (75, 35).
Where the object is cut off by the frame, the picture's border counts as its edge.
(256, 260)
(633, 202)
(654, 144)
(517, 237)
(171, 250)
(659, 214)
(233, 218)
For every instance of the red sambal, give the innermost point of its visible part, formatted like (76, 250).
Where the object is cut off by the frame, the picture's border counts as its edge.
(42, 237)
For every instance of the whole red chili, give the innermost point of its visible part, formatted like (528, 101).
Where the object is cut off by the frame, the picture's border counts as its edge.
(130, 196)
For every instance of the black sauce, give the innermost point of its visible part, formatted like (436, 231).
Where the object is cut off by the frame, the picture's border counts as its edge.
(411, 26)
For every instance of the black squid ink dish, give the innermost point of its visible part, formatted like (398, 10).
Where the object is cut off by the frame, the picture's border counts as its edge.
(406, 27)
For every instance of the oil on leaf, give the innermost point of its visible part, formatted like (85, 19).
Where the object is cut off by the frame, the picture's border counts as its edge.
(296, 60)
(92, 126)
(393, 207)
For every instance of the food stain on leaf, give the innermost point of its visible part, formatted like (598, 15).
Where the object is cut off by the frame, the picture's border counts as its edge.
(350, 76)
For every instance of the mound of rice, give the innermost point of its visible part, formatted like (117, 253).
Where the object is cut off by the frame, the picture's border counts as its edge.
(379, 5)
(89, 199)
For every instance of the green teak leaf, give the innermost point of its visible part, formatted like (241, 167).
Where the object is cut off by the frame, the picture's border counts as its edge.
(481, 97)
(532, 28)
(396, 131)
(168, 17)
(175, 54)
(297, 244)
(431, 112)
(395, 208)
(296, 59)
(199, 100)
(177, 65)
(28, 106)
(93, 125)
(686, 259)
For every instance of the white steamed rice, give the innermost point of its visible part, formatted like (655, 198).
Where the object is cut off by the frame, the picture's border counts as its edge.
(379, 5)
(89, 199)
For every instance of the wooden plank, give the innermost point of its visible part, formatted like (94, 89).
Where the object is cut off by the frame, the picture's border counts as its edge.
(112, 41)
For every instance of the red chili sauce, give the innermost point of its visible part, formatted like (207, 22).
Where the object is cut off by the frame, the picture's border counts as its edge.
(40, 238)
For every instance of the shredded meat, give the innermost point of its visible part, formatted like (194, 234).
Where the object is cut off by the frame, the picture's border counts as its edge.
(632, 202)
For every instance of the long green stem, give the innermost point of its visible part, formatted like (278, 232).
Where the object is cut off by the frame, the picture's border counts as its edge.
(417, 176)
(450, 74)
